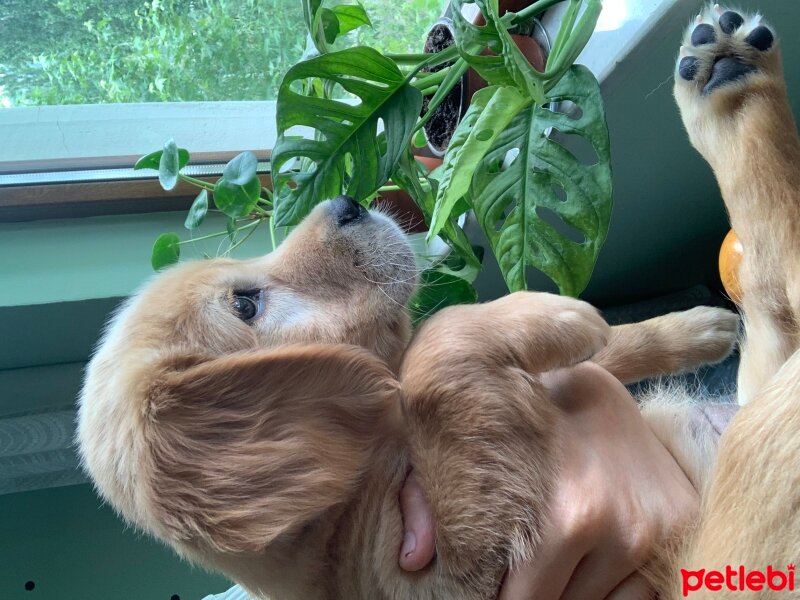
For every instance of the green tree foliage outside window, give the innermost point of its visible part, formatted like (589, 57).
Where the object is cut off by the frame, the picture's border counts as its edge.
(99, 51)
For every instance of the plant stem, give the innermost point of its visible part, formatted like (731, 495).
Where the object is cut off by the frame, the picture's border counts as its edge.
(219, 233)
(197, 182)
(422, 83)
(243, 240)
(394, 188)
(437, 58)
(578, 39)
(563, 36)
(511, 19)
(457, 71)
(272, 234)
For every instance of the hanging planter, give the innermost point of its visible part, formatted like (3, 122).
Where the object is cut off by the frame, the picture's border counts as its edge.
(530, 37)
(445, 118)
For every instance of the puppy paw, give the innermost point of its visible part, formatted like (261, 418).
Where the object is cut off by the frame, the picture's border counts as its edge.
(559, 331)
(584, 328)
(710, 334)
(724, 48)
(729, 88)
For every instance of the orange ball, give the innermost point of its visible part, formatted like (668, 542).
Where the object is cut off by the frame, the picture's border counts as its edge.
(730, 257)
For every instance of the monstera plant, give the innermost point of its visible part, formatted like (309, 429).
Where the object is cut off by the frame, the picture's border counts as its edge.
(348, 121)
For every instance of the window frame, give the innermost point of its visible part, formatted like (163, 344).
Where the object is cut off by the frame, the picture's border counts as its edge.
(93, 174)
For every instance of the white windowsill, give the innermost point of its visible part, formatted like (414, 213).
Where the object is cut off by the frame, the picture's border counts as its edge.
(98, 130)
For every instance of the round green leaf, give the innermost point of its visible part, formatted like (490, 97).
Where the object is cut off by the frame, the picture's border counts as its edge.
(151, 161)
(166, 251)
(234, 200)
(168, 166)
(241, 169)
(197, 212)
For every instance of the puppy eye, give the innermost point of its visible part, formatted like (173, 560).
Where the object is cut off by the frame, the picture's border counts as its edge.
(248, 304)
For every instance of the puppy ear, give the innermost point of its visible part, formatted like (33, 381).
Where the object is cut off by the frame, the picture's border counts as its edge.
(248, 447)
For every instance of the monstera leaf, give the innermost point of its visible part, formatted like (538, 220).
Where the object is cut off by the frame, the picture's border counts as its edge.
(491, 110)
(348, 154)
(512, 201)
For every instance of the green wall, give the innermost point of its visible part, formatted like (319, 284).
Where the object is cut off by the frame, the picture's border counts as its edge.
(74, 548)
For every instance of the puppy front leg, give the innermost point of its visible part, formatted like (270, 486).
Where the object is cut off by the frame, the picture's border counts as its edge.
(675, 343)
(532, 331)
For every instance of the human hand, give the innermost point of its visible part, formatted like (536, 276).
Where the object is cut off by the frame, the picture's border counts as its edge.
(618, 495)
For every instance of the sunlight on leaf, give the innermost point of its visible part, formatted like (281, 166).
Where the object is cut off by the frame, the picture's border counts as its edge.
(491, 110)
(168, 166)
(241, 169)
(197, 212)
(152, 160)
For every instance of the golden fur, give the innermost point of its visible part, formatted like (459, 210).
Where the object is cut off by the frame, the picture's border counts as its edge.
(746, 132)
(274, 451)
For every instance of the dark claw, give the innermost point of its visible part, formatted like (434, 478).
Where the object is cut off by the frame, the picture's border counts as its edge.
(760, 38)
(730, 21)
(703, 34)
(687, 68)
(726, 70)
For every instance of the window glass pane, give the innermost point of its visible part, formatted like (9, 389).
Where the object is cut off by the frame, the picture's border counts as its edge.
(55, 52)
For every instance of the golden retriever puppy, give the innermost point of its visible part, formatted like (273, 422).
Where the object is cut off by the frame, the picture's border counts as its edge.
(261, 416)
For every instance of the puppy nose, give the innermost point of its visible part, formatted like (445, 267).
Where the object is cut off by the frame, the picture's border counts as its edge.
(346, 210)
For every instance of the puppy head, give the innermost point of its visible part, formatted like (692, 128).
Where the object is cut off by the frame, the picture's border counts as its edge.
(230, 402)
(342, 277)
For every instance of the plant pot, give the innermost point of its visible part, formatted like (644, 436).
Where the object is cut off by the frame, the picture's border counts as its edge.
(440, 127)
(534, 44)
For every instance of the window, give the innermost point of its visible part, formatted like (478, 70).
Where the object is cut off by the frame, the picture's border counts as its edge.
(84, 81)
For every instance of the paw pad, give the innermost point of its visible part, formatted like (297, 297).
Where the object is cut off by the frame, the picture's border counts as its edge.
(703, 34)
(725, 70)
(730, 21)
(760, 38)
(688, 67)
(722, 48)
